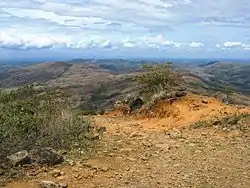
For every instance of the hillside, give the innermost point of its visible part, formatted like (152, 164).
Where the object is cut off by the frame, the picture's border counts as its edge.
(168, 138)
(181, 149)
(39, 73)
(82, 81)
(98, 84)
(235, 75)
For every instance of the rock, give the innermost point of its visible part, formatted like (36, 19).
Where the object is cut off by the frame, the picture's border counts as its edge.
(136, 104)
(20, 158)
(51, 184)
(233, 127)
(34, 172)
(63, 185)
(131, 159)
(235, 133)
(204, 101)
(163, 147)
(174, 134)
(192, 144)
(1, 172)
(96, 136)
(217, 122)
(197, 151)
(126, 149)
(177, 165)
(48, 184)
(104, 169)
(63, 152)
(70, 162)
(135, 134)
(56, 173)
(46, 156)
(61, 178)
(204, 134)
(96, 167)
(101, 129)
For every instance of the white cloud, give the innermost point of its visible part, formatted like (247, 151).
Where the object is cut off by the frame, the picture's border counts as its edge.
(91, 24)
(233, 44)
(13, 39)
(187, 1)
(158, 40)
(129, 45)
(196, 44)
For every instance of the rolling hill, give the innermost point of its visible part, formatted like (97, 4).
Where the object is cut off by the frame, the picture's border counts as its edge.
(98, 84)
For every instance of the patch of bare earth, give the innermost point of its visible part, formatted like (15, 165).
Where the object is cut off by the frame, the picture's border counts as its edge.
(161, 152)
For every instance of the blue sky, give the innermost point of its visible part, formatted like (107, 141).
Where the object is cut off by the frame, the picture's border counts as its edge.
(125, 28)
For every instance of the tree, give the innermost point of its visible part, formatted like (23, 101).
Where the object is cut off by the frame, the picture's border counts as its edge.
(158, 77)
(229, 90)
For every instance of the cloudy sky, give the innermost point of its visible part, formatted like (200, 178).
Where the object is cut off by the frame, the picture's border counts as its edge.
(125, 28)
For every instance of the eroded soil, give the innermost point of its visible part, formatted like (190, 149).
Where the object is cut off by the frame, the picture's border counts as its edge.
(160, 152)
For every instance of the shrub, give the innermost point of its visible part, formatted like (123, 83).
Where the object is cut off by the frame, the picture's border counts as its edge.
(30, 119)
(230, 122)
(158, 77)
(156, 82)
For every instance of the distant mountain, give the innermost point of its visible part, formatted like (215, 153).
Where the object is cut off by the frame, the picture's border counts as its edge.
(235, 75)
(114, 65)
(208, 64)
(82, 81)
(99, 83)
(39, 73)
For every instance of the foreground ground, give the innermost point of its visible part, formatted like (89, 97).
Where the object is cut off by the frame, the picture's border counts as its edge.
(141, 152)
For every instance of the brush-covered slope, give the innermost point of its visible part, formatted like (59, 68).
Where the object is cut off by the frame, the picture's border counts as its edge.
(236, 75)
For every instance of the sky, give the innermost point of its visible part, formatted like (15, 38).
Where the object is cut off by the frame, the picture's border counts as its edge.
(124, 28)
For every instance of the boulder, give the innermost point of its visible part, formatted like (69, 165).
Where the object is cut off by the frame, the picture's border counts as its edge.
(136, 104)
(20, 158)
(46, 156)
(235, 133)
(51, 184)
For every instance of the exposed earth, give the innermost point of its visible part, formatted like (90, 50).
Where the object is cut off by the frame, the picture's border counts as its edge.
(144, 152)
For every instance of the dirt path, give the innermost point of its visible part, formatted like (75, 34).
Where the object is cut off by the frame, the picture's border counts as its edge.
(158, 153)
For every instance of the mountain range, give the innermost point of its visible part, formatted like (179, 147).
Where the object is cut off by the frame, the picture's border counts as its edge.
(98, 83)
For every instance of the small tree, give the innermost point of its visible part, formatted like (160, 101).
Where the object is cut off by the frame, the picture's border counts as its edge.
(158, 77)
(229, 91)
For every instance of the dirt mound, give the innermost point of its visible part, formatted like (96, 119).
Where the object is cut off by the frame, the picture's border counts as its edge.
(179, 112)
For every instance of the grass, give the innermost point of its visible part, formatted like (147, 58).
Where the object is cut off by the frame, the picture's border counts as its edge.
(230, 122)
(30, 119)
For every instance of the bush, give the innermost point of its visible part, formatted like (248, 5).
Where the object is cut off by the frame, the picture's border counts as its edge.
(31, 119)
(158, 78)
(156, 82)
(230, 122)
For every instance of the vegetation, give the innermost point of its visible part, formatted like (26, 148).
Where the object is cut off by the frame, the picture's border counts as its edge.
(92, 105)
(228, 90)
(230, 122)
(156, 82)
(158, 77)
(31, 119)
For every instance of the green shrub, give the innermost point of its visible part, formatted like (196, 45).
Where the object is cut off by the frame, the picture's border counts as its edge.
(234, 121)
(158, 77)
(30, 119)
(203, 123)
